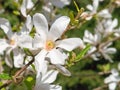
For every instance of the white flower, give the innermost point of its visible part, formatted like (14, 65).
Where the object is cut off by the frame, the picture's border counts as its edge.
(93, 10)
(95, 40)
(106, 51)
(48, 40)
(91, 39)
(60, 3)
(13, 42)
(49, 10)
(112, 79)
(26, 5)
(107, 27)
(43, 81)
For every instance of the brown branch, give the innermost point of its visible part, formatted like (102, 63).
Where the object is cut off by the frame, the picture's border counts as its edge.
(70, 26)
(37, 2)
(107, 42)
(101, 87)
(101, 46)
(17, 74)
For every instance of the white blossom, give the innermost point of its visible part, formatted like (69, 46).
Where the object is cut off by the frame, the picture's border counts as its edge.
(93, 9)
(26, 5)
(107, 27)
(48, 40)
(95, 40)
(14, 42)
(44, 81)
(112, 79)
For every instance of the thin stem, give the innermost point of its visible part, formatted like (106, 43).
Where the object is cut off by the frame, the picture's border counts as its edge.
(37, 2)
(17, 74)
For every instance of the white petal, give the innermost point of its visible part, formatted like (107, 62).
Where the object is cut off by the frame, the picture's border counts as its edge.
(50, 76)
(60, 3)
(18, 56)
(105, 13)
(41, 25)
(38, 42)
(27, 4)
(95, 5)
(3, 45)
(41, 86)
(88, 37)
(114, 23)
(112, 86)
(106, 56)
(40, 64)
(58, 27)
(90, 7)
(26, 29)
(62, 70)
(56, 57)
(109, 79)
(23, 8)
(29, 23)
(71, 43)
(55, 87)
(25, 41)
(110, 50)
(5, 25)
(114, 72)
(8, 59)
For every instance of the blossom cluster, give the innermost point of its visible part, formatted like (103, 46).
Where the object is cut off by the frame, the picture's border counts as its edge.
(41, 40)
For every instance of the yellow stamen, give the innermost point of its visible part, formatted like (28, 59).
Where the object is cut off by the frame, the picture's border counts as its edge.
(49, 45)
(12, 42)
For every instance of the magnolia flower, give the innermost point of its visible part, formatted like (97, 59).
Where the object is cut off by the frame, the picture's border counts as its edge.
(93, 10)
(26, 5)
(112, 79)
(92, 39)
(43, 81)
(95, 40)
(60, 3)
(13, 42)
(106, 27)
(49, 40)
(49, 11)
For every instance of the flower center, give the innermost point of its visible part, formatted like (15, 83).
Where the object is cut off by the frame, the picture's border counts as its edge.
(49, 45)
(12, 42)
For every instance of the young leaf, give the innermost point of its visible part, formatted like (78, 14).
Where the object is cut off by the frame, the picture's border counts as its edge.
(4, 76)
(82, 53)
(76, 6)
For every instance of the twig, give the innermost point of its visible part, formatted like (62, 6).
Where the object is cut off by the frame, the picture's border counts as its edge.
(37, 2)
(17, 74)
(107, 42)
(70, 26)
(101, 87)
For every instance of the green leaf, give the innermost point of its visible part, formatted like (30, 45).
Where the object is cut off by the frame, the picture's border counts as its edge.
(27, 51)
(106, 67)
(82, 53)
(16, 12)
(29, 79)
(4, 76)
(71, 16)
(76, 6)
